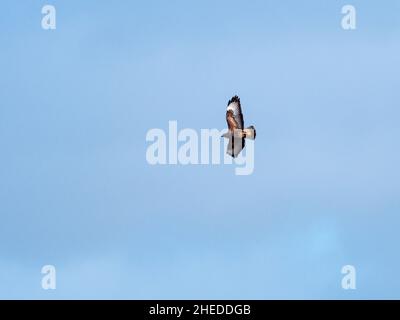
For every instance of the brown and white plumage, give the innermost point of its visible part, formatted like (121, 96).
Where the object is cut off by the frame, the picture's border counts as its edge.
(234, 115)
(236, 131)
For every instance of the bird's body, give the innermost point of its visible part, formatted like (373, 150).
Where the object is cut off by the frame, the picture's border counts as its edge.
(236, 131)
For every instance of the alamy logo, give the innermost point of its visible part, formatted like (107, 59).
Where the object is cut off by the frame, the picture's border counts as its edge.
(49, 278)
(349, 18)
(349, 280)
(49, 18)
(184, 147)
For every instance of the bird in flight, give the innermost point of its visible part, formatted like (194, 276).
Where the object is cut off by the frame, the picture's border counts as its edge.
(236, 131)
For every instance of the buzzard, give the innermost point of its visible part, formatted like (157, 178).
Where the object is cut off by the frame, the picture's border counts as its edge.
(236, 131)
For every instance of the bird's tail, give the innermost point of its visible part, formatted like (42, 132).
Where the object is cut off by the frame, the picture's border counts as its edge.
(250, 132)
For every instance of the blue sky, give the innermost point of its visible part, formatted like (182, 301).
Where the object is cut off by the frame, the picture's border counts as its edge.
(76, 191)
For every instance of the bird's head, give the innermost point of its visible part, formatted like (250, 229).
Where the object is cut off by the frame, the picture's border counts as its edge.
(230, 111)
(226, 135)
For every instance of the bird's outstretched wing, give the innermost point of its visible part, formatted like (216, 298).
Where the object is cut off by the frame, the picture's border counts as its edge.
(234, 116)
(235, 145)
